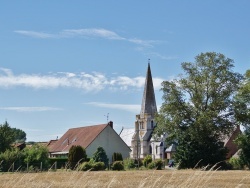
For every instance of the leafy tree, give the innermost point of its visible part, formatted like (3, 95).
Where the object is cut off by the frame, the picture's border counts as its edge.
(9, 157)
(35, 155)
(7, 137)
(20, 135)
(242, 108)
(198, 109)
(76, 154)
(100, 156)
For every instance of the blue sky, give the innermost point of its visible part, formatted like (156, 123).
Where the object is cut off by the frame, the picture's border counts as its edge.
(66, 64)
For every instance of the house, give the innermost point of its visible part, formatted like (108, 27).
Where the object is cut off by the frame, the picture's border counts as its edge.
(90, 138)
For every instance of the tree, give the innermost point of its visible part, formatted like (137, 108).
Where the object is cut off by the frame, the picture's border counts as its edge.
(7, 137)
(198, 109)
(100, 156)
(77, 154)
(242, 108)
(20, 135)
(36, 154)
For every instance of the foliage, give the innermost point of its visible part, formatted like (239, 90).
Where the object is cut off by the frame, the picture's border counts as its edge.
(242, 101)
(157, 164)
(7, 137)
(10, 157)
(76, 154)
(85, 166)
(97, 166)
(147, 160)
(118, 165)
(20, 135)
(60, 162)
(236, 163)
(243, 142)
(100, 156)
(198, 109)
(129, 163)
(35, 155)
(93, 166)
(117, 157)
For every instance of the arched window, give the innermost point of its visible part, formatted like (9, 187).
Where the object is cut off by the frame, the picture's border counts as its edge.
(152, 124)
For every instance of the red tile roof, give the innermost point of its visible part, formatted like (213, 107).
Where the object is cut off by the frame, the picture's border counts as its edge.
(82, 136)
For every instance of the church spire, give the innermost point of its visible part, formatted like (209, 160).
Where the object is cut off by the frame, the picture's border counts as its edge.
(148, 105)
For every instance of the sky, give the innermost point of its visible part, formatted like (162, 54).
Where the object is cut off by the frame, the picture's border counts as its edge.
(67, 64)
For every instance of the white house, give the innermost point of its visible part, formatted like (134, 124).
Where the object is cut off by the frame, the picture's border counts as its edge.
(90, 138)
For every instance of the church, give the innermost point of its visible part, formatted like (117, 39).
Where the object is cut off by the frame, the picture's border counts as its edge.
(143, 143)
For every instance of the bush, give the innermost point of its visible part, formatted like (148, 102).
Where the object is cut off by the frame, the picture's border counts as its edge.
(129, 163)
(117, 157)
(147, 160)
(98, 166)
(157, 164)
(118, 165)
(85, 166)
(92, 166)
(60, 162)
(76, 154)
(100, 156)
(236, 163)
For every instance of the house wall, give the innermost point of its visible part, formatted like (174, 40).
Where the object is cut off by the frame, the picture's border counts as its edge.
(111, 142)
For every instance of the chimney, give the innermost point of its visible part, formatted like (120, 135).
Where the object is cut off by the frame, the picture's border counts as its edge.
(110, 124)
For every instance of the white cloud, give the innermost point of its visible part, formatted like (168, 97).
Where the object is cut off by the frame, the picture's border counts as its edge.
(30, 109)
(36, 34)
(134, 108)
(88, 82)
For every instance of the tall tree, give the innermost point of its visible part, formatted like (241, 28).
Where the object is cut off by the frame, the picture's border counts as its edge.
(7, 136)
(20, 135)
(76, 154)
(100, 156)
(197, 109)
(242, 108)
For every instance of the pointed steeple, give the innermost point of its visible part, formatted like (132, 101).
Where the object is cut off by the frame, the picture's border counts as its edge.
(148, 105)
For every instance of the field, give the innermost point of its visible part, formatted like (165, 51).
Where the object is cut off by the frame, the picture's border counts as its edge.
(133, 179)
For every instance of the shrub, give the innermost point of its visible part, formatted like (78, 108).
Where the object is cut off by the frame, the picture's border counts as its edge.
(236, 163)
(98, 166)
(76, 154)
(118, 165)
(129, 163)
(117, 157)
(100, 156)
(157, 164)
(60, 162)
(147, 160)
(85, 166)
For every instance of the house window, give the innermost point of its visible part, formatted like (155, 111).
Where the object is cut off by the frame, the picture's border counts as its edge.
(152, 124)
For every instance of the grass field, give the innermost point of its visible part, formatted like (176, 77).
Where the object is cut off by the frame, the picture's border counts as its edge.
(120, 179)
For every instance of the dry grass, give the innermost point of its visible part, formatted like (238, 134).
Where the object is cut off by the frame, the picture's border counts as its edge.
(140, 179)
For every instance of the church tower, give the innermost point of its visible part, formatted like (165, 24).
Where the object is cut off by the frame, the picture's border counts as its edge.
(145, 123)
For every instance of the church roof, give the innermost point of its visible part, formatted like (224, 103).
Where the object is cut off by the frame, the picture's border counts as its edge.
(148, 105)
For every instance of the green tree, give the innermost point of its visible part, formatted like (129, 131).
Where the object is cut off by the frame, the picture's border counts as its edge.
(20, 135)
(7, 136)
(77, 154)
(198, 109)
(35, 155)
(242, 108)
(100, 156)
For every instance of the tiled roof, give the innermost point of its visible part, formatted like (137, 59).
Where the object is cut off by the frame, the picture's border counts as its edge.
(82, 136)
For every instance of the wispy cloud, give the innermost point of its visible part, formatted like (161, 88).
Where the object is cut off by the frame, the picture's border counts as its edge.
(88, 82)
(30, 109)
(88, 33)
(134, 108)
